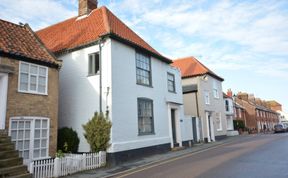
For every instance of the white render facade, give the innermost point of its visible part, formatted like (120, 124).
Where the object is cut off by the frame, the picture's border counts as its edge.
(79, 97)
(211, 119)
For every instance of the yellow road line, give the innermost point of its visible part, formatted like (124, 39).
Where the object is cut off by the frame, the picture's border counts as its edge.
(130, 172)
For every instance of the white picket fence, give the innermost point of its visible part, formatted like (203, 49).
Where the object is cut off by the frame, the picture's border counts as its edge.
(69, 164)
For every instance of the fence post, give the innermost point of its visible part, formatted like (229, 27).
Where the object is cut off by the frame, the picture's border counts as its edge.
(31, 168)
(57, 167)
(102, 155)
(84, 161)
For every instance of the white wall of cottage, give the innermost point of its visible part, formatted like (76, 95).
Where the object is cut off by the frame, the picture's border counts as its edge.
(79, 97)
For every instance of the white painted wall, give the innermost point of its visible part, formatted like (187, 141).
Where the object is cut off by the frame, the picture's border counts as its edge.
(187, 132)
(125, 92)
(79, 93)
(3, 98)
(79, 96)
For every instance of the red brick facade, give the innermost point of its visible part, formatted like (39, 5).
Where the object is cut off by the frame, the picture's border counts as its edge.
(258, 114)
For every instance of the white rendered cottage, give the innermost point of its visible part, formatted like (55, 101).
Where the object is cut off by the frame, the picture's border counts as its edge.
(108, 67)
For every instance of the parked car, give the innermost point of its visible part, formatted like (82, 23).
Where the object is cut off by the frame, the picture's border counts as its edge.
(279, 128)
(285, 126)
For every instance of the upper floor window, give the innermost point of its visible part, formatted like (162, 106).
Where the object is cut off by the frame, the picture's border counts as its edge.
(215, 89)
(143, 69)
(145, 116)
(93, 64)
(33, 78)
(227, 105)
(206, 97)
(171, 82)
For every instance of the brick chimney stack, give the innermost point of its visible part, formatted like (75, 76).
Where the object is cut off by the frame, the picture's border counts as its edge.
(242, 96)
(230, 93)
(86, 6)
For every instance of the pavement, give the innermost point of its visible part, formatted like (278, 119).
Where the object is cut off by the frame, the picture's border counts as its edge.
(154, 159)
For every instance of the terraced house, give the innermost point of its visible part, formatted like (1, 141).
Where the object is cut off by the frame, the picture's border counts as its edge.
(28, 92)
(107, 67)
(258, 112)
(205, 104)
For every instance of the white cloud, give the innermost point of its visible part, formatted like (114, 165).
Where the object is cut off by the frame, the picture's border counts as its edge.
(38, 13)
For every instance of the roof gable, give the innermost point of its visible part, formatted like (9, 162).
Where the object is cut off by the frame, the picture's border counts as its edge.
(191, 67)
(80, 31)
(21, 41)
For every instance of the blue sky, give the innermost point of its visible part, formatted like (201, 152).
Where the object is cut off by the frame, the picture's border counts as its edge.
(245, 42)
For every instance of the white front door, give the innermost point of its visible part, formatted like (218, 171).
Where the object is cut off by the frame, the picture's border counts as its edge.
(3, 98)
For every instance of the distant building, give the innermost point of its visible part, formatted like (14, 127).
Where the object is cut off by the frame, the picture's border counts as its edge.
(206, 103)
(258, 113)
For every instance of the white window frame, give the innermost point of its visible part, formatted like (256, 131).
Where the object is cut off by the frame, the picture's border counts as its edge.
(169, 81)
(207, 97)
(37, 77)
(220, 121)
(215, 89)
(32, 136)
(93, 61)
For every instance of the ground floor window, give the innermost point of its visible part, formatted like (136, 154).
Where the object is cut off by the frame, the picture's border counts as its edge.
(31, 136)
(145, 116)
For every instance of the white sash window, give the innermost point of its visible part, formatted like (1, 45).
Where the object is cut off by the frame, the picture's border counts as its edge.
(33, 78)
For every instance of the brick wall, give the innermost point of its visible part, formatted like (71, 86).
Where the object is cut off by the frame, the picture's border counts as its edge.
(22, 104)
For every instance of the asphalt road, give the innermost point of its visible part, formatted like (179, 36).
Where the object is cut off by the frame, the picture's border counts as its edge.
(259, 156)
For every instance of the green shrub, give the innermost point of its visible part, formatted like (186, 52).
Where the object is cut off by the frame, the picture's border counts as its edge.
(239, 124)
(68, 140)
(97, 132)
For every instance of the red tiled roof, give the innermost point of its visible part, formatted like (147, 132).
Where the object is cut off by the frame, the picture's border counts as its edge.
(21, 41)
(191, 67)
(75, 32)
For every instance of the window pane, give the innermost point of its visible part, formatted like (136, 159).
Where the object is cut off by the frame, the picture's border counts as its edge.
(37, 124)
(27, 134)
(14, 125)
(27, 124)
(24, 82)
(44, 133)
(24, 68)
(20, 145)
(37, 134)
(36, 143)
(20, 134)
(41, 89)
(33, 80)
(36, 154)
(26, 144)
(33, 69)
(44, 124)
(44, 143)
(21, 124)
(43, 152)
(42, 71)
(13, 134)
(42, 80)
